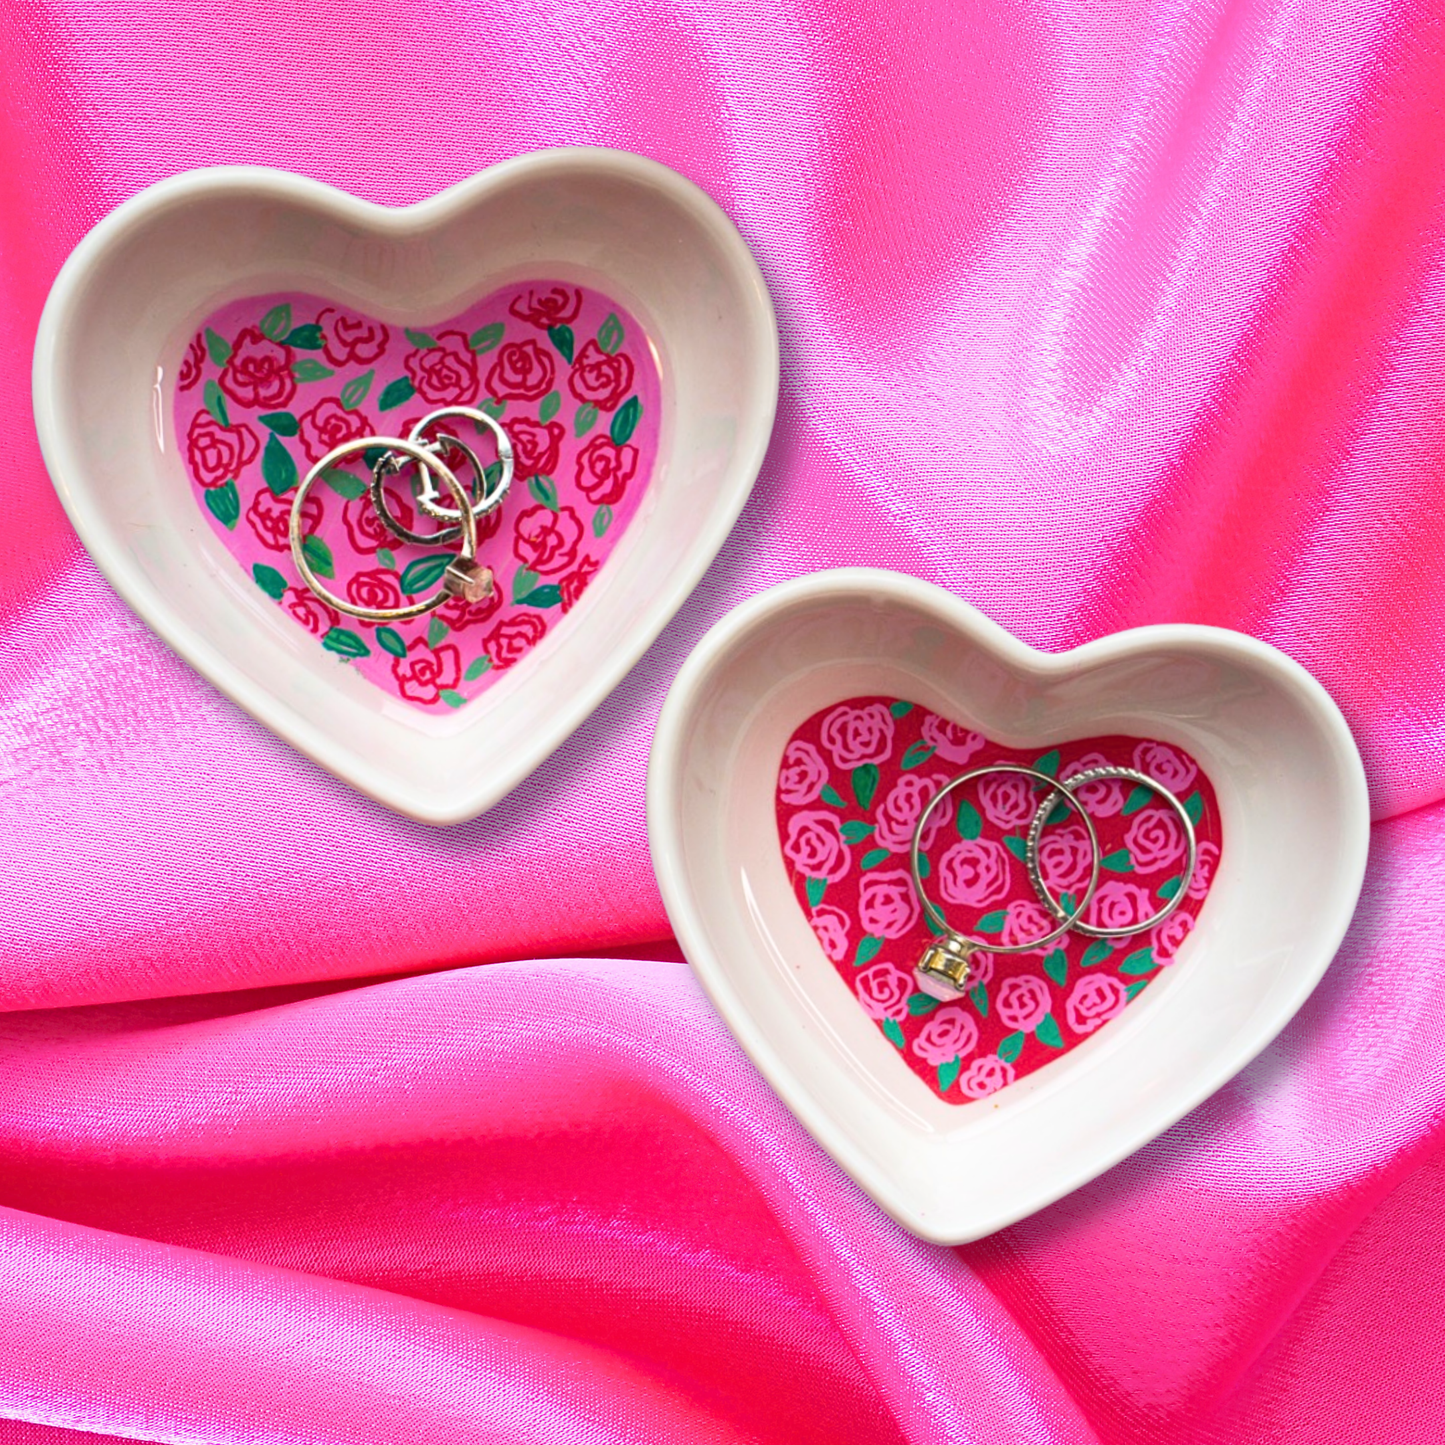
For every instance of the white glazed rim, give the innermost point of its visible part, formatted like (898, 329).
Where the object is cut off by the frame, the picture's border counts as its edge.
(128, 579)
(663, 815)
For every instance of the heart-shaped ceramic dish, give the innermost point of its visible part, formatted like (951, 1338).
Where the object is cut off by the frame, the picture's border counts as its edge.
(127, 302)
(1292, 800)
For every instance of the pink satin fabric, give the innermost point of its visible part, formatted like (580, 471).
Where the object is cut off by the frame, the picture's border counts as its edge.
(1099, 314)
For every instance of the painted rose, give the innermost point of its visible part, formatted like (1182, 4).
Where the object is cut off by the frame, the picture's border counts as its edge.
(1155, 840)
(366, 532)
(554, 306)
(883, 991)
(258, 372)
(831, 927)
(536, 445)
(948, 1034)
(523, 371)
(1025, 921)
(192, 364)
(327, 425)
(899, 812)
(1166, 765)
(975, 872)
(270, 518)
(952, 743)
(1022, 1002)
(857, 735)
(576, 582)
(803, 774)
(887, 903)
(352, 340)
(1103, 799)
(599, 378)
(513, 638)
(1119, 904)
(1206, 860)
(1008, 800)
(1168, 937)
(985, 1075)
(981, 969)
(546, 541)
(1093, 1001)
(311, 612)
(445, 374)
(459, 614)
(1065, 858)
(425, 671)
(216, 453)
(377, 588)
(604, 470)
(815, 846)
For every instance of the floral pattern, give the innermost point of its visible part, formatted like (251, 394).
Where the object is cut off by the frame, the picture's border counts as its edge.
(268, 386)
(853, 781)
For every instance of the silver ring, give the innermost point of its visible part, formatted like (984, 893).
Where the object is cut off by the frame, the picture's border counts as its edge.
(390, 463)
(1098, 775)
(486, 498)
(462, 578)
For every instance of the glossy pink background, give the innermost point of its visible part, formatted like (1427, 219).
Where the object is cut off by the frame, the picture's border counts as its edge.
(1098, 312)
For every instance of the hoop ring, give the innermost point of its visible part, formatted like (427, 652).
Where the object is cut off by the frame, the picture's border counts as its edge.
(389, 465)
(1098, 775)
(486, 500)
(462, 576)
(935, 913)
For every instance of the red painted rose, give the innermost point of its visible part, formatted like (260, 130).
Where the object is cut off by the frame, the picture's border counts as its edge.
(311, 612)
(815, 846)
(513, 638)
(1119, 905)
(1103, 799)
(975, 872)
(555, 306)
(328, 424)
(1007, 800)
(1022, 1001)
(536, 445)
(425, 671)
(830, 925)
(1095, 999)
(1066, 857)
(523, 371)
(444, 374)
(546, 541)
(270, 518)
(366, 532)
(883, 991)
(352, 340)
(217, 453)
(191, 364)
(601, 379)
(949, 1034)
(899, 813)
(604, 470)
(858, 735)
(986, 1075)
(459, 614)
(1024, 921)
(803, 775)
(574, 584)
(259, 371)
(377, 588)
(887, 903)
(1155, 840)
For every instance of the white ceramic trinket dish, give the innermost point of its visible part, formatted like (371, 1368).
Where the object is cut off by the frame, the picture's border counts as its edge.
(1291, 797)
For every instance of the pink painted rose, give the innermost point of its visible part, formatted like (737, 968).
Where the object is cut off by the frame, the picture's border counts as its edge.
(952, 743)
(523, 371)
(366, 532)
(1166, 765)
(985, 1075)
(555, 306)
(1026, 921)
(513, 638)
(1155, 840)
(815, 846)
(379, 587)
(1066, 858)
(1094, 1000)
(446, 374)
(858, 735)
(981, 970)
(546, 541)
(803, 774)
(599, 378)
(216, 454)
(604, 470)
(949, 1034)
(883, 991)
(1008, 800)
(536, 445)
(270, 518)
(425, 671)
(352, 340)
(1118, 904)
(258, 372)
(327, 425)
(1168, 937)
(975, 872)
(1205, 862)
(192, 363)
(310, 611)
(1022, 1002)
(887, 903)
(1103, 799)
(832, 928)
(576, 582)
(898, 815)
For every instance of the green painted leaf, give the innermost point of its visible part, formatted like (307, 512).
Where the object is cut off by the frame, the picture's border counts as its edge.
(395, 393)
(423, 339)
(270, 581)
(1010, 1047)
(371, 456)
(900, 708)
(921, 1003)
(477, 668)
(601, 520)
(391, 641)
(543, 490)
(551, 404)
(609, 334)
(1170, 887)
(1049, 763)
(548, 596)
(486, 337)
(436, 630)
(387, 558)
(1048, 1032)
(345, 643)
(1056, 965)
(452, 697)
(968, 822)
(1137, 799)
(992, 922)
(1135, 989)
(978, 997)
(1060, 812)
(305, 338)
(893, 1032)
(277, 321)
(494, 408)
(1140, 961)
(948, 1074)
(830, 795)
(561, 337)
(218, 347)
(1119, 861)
(318, 554)
(1194, 806)
(309, 369)
(524, 582)
(874, 857)
(865, 783)
(346, 484)
(283, 423)
(868, 947)
(1096, 952)
(277, 466)
(354, 392)
(624, 420)
(224, 504)
(1017, 847)
(216, 403)
(1066, 902)
(424, 574)
(925, 868)
(585, 419)
(856, 832)
(815, 888)
(918, 753)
